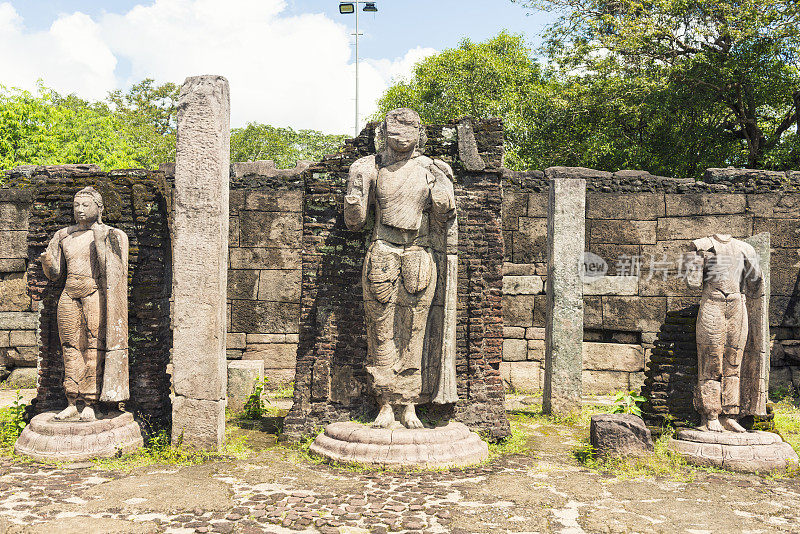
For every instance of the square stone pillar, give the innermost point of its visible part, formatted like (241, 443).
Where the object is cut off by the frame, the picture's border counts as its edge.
(566, 227)
(200, 260)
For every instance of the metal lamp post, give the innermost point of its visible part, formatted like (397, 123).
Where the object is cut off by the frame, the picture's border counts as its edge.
(348, 8)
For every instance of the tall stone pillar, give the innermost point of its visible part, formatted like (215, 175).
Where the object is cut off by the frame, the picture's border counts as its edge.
(566, 227)
(200, 259)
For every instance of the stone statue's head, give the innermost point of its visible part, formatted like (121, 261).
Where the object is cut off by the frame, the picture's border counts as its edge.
(401, 131)
(88, 205)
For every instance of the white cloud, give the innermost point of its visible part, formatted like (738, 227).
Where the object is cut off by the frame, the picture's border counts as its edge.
(283, 70)
(70, 56)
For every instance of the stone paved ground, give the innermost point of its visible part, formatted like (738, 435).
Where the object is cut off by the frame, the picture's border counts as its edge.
(277, 490)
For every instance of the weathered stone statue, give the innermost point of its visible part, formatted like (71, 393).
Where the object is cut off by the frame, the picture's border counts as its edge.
(410, 270)
(93, 308)
(92, 317)
(731, 361)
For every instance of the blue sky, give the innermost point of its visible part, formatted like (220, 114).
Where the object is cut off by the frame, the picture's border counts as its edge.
(290, 62)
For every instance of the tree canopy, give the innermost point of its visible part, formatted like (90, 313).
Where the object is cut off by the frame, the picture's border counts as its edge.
(131, 129)
(734, 61)
(669, 86)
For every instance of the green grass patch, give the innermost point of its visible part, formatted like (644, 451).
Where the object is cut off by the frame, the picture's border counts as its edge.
(11, 424)
(787, 421)
(160, 451)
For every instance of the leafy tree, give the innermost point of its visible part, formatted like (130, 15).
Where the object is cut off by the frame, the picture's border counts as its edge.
(737, 57)
(284, 146)
(498, 78)
(147, 113)
(47, 129)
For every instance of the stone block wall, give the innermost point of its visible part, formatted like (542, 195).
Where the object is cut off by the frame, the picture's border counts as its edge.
(135, 203)
(632, 215)
(331, 380)
(265, 270)
(18, 317)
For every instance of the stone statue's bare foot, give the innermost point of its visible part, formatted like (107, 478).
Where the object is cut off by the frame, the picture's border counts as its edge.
(385, 417)
(712, 425)
(730, 423)
(70, 413)
(87, 414)
(409, 417)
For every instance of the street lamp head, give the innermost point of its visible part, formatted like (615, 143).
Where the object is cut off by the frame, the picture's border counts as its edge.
(347, 8)
(370, 7)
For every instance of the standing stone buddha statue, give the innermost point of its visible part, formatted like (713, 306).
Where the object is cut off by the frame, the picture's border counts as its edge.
(732, 365)
(410, 270)
(92, 311)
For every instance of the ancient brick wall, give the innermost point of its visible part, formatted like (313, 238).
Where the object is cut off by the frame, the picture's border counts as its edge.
(330, 384)
(18, 317)
(134, 202)
(630, 215)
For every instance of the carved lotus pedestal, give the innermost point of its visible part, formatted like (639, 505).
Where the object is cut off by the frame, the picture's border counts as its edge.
(46, 439)
(748, 452)
(453, 445)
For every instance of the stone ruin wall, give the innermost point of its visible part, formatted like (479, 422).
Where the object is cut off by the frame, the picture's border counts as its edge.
(628, 213)
(37, 201)
(631, 213)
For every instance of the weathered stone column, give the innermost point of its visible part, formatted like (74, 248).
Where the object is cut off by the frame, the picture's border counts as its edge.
(200, 259)
(566, 223)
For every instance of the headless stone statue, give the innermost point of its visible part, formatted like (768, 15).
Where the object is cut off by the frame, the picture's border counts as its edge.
(92, 311)
(410, 270)
(728, 271)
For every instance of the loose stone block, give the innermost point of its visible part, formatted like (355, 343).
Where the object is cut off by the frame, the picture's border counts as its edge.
(22, 378)
(614, 435)
(611, 285)
(564, 322)
(522, 285)
(198, 423)
(468, 148)
(22, 356)
(200, 257)
(243, 376)
(613, 357)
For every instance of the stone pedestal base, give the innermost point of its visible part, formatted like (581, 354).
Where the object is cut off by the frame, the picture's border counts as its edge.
(453, 445)
(749, 452)
(46, 439)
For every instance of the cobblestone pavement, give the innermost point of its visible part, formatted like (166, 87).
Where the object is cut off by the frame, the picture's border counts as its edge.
(280, 491)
